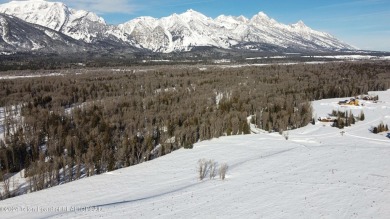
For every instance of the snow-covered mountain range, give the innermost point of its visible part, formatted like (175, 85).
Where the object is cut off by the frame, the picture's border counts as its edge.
(177, 32)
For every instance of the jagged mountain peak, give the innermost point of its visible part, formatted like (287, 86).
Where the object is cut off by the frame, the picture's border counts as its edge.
(78, 24)
(242, 19)
(262, 19)
(191, 14)
(300, 25)
(42, 9)
(231, 19)
(30, 5)
(49, 14)
(262, 14)
(89, 15)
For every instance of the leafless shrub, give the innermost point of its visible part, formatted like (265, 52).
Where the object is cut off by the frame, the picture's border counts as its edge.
(6, 188)
(15, 187)
(203, 168)
(285, 135)
(210, 168)
(222, 171)
(213, 169)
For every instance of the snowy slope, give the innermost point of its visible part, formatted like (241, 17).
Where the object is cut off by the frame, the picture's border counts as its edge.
(18, 35)
(316, 173)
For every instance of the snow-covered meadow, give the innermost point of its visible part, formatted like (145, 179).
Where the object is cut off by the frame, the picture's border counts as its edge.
(319, 172)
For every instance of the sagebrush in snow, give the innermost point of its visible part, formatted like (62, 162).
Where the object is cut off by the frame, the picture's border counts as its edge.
(210, 167)
(222, 171)
(203, 168)
(213, 169)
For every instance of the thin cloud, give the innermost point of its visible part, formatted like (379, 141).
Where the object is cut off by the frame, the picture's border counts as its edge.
(157, 4)
(351, 3)
(104, 6)
(99, 6)
(189, 3)
(348, 18)
(124, 6)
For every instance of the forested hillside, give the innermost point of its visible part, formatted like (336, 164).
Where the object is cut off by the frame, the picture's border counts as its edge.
(90, 121)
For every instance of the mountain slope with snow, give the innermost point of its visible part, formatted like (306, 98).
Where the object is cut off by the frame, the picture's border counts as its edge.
(318, 172)
(78, 24)
(18, 35)
(177, 32)
(181, 32)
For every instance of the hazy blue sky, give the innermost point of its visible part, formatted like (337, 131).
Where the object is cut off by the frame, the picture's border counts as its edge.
(362, 23)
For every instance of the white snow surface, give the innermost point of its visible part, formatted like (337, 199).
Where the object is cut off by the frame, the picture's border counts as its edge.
(352, 57)
(10, 77)
(316, 173)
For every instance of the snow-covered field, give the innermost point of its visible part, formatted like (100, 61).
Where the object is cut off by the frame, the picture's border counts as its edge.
(316, 173)
(352, 57)
(10, 77)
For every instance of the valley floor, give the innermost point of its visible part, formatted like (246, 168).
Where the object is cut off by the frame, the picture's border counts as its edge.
(318, 172)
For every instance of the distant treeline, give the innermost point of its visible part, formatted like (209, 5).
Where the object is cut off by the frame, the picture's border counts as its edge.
(102, 120)
(206, 55)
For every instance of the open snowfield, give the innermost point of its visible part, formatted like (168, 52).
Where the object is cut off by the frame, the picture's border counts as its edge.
(316, 173)
(9, 77)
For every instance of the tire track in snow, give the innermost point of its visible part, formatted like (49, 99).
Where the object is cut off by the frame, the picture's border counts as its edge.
(335, 185)
(117, 203)
(371, 139)
(259, 157)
